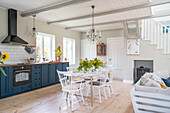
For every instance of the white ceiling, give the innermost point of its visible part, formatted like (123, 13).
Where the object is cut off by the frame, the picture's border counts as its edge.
(160, 10)
(81, 9)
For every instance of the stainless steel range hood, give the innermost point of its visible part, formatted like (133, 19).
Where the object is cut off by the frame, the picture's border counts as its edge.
(12, 37)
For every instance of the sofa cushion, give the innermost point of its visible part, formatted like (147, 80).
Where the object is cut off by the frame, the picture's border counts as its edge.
(145, 81)
(163, 86)
(167, 81)
(163, 74)
(155, 90)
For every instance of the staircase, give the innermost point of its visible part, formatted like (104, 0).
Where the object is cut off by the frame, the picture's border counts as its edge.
(153, 32)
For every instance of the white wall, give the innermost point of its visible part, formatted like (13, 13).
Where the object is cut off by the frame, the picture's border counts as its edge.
(105, 35)
(147, 52)
(25, 26)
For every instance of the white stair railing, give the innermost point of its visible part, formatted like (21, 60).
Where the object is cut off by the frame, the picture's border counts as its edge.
(153, 31)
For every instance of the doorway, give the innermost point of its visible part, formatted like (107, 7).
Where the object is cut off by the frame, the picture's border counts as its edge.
(115, 51)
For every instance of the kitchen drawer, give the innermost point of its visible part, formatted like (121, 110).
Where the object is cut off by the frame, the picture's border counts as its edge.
(36, 84)
(36, 73)
(36, 78)
(36, 67)
(22, 88)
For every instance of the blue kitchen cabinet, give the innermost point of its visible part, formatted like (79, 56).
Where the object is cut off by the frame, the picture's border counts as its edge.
(6, 82)
(65, 65)
(52, 76)
(21, 88)
(44, 75)
(60, 68)
(36, 76)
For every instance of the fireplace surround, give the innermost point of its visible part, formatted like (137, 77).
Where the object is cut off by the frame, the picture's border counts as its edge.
(141, 67)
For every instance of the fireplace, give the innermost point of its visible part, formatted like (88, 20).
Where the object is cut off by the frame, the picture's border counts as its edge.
(141, 67)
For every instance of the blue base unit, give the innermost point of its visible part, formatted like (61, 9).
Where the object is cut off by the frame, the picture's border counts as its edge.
(41, 76)
(6, 82)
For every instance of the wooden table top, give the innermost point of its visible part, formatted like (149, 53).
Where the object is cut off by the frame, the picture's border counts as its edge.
(43, 63)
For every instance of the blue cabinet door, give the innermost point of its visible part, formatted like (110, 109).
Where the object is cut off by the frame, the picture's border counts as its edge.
(65, 65)
(45, 78)
(60, 68)
(6, 82)
(36, 76)
(52, 71)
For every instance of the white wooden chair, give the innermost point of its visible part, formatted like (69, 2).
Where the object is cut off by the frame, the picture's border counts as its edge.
(109, 80)
(99, 85)
(109, 83)
(69, 88)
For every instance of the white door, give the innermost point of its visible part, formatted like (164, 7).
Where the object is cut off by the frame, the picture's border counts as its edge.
(115, 55)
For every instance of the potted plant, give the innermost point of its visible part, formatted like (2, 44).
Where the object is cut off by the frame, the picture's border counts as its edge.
(3, 57)
(58, 53)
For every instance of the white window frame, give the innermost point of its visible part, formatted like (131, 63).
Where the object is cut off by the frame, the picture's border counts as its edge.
(73, 50)
(52, 48)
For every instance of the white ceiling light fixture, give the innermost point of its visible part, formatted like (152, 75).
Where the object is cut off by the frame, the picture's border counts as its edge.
(34, 32)
(93, 35)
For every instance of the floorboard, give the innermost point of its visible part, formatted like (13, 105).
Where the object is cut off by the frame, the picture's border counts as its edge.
(46, 100)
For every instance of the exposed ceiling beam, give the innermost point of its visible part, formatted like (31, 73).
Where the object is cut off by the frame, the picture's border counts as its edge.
(149, 4)
(120, 21)
(60, 4)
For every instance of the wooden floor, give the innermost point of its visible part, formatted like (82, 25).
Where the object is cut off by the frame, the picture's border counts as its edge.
(46, 100)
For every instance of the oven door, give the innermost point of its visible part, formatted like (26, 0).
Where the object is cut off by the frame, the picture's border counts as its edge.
(21, 77)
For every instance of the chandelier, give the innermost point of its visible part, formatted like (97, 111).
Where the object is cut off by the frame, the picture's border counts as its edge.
(93, 35)
(34, 32)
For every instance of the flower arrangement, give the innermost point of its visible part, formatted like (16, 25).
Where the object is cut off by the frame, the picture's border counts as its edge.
(3, 57)
(97, 63)
(86, 64)
(58, 53)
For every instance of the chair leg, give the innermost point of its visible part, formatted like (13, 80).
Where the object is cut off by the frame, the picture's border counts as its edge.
(61, 100)
(71, 102)
(100, 96)
(105, 93)
(82, 96)
(111, 89)
(88, 90)
(108, 90)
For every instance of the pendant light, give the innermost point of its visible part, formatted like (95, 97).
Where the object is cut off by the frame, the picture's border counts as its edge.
(34, 32)
(93, 35)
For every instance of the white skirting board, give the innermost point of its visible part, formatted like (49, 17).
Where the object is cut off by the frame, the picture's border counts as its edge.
(128, 81)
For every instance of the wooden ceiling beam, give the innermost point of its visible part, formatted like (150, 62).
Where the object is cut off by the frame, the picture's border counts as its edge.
(145, 5)
(60, 4)
(120, 21)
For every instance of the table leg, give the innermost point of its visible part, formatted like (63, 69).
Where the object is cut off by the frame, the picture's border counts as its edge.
(69, 79)
(109, 75)
(91, 91)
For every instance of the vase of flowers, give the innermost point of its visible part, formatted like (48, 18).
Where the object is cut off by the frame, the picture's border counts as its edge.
(84, 65)
(58, 53)
(96, 63)
(3, 57)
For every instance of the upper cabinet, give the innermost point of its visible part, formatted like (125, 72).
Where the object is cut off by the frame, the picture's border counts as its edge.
(101, 49)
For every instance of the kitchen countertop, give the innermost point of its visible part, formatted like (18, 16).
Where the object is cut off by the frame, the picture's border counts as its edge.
(42, 63)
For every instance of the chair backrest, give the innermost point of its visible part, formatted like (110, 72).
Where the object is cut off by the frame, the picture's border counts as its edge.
(103, 77)
(62, 78)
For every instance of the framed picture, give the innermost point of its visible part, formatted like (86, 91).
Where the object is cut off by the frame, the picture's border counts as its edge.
(133, 46)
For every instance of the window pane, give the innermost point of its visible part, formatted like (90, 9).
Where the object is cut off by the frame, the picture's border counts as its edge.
(47, 46)
(68, 50)
(39, 47)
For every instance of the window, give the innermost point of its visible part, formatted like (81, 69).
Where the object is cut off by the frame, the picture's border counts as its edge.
(69, 50)
(45, 44)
